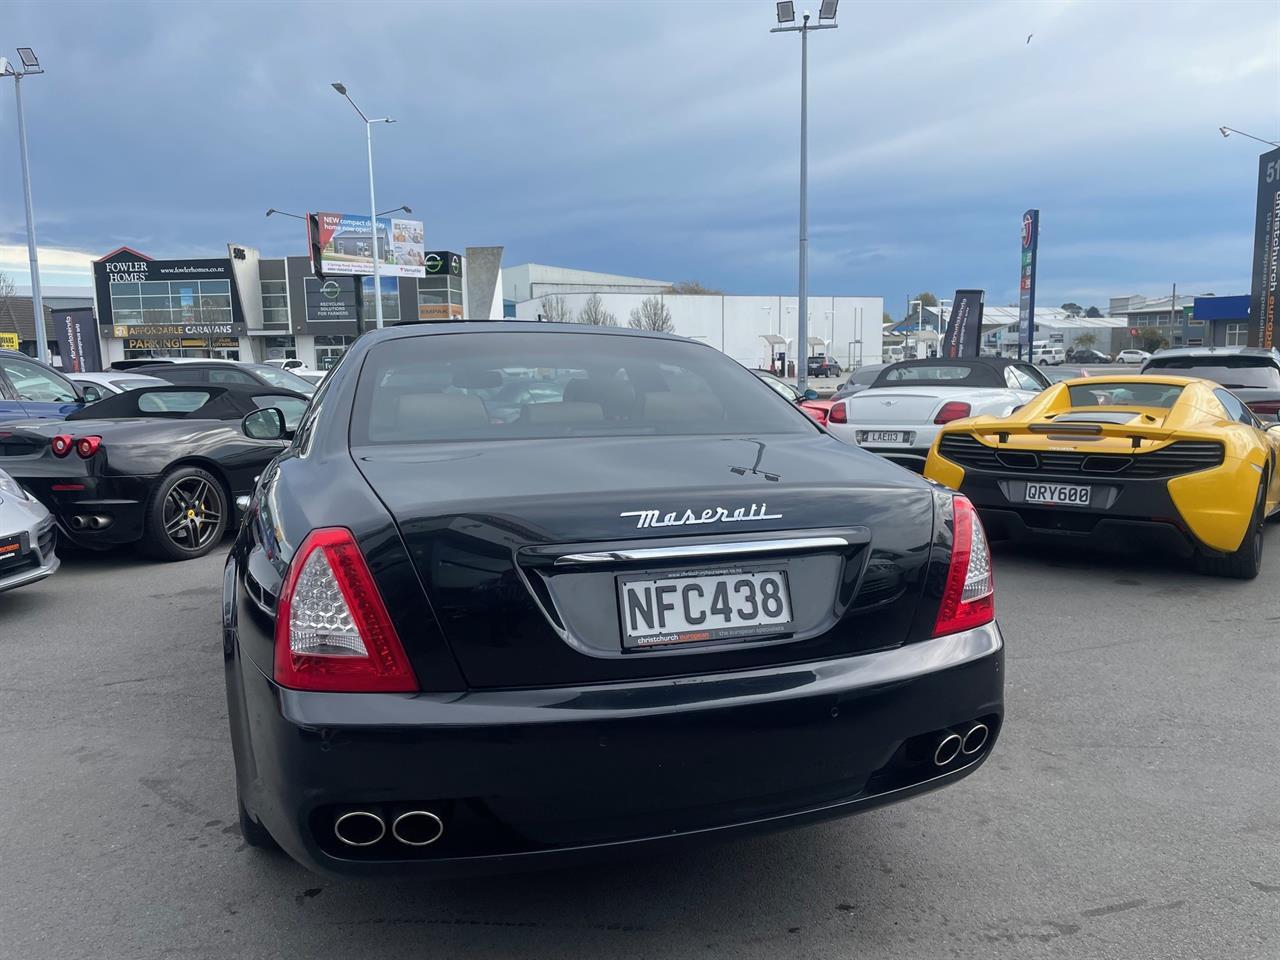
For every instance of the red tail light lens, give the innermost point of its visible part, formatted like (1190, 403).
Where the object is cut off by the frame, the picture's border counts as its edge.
(837, 413)
(61, 445)
(333, 631)
(88, 446)
(953, 410)
(968, 600)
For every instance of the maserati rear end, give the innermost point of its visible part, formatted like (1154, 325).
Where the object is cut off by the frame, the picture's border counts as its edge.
(663, 607)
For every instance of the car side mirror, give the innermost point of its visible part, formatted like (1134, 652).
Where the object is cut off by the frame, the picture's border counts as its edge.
(265, 424)
(811, 394)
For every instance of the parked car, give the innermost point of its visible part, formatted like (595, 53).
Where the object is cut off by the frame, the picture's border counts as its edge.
(31, 390)
(1176, 465)
(223, 372)
(809, 401)
(859, 380)
(27, 537)
(455, 644)
(96, 386)
(1049, 354)
(824, 367)
(291, 364)
(902, 411)
(1251, 373)
(164, 466)
(1087, 355)
(1132, 356)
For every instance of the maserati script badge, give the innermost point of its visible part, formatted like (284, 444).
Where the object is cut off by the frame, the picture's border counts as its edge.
(888, 403)
(655, 518)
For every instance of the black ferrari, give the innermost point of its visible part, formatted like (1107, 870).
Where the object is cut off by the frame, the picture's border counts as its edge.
(164, 466)
(659, 606)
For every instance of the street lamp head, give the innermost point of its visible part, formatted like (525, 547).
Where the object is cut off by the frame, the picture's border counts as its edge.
(786, 11)
(271, 211)
(828, 9)
(28, 58)
(1225, 131)
(341, 88)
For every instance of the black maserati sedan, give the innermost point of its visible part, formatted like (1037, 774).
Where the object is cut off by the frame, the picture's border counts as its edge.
(665, 606)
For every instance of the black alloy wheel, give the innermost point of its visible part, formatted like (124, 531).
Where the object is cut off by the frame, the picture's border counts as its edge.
(186, 515)
(1246, 561)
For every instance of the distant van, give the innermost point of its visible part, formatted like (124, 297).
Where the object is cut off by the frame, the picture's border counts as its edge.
(893, 354)
(1048, 354)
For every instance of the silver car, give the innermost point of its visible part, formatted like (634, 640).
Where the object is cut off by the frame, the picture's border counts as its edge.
(27, 537)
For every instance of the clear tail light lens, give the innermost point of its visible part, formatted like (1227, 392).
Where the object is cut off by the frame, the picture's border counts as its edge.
(837, 413)
(333, 631)
(61, 445)
(968, 599)
(953, 410)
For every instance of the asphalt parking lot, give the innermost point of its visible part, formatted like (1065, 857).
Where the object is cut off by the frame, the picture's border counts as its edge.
(1130, 808)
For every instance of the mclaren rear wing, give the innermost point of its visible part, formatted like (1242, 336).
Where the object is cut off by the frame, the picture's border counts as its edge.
(1083, 430)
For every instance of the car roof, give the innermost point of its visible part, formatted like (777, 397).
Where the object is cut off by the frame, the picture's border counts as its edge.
(229, 402)
(1218, 352)
(415, 328)
(109, 376)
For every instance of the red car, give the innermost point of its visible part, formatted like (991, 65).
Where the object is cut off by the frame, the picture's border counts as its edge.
(811, 405)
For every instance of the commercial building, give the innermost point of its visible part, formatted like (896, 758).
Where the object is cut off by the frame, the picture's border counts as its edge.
(1225, 319)
(531, 281)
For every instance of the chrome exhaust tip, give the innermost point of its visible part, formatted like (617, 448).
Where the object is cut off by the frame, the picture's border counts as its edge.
(76, 523)
(359, 828)
(417, 828)
(948, 749)
(975, 739)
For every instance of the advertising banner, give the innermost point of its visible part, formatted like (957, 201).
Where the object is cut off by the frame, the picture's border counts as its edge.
(78, 340)
(9, 341)
(346, 245)
(1027, 283)
(1266, 253)
(964, 327)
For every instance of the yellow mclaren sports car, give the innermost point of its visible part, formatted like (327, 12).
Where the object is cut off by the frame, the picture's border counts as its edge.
(1123, 461)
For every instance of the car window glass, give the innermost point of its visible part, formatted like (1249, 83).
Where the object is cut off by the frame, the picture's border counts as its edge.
(291, 407)
(1230, 372)
(34, 383)
(784, 390)
(1029, 377)
(282, 379)
(1133, 393)
(1235, 409)
(176, 401)
(136, 383)
(456, 387)
(229, 375)
(908, 374)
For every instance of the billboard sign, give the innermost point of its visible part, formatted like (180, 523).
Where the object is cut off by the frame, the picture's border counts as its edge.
(331, 300)
(346, 245)
(1027, 282)
(964, 327)
(78, 340)
(8, 341)
(1266, 253)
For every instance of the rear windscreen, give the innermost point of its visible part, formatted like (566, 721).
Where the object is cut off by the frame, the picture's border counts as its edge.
(1228, 371)
(1130, 394)
(493, 386)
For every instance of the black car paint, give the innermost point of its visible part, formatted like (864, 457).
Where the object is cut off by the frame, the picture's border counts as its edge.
(119, 478)
(538, 748)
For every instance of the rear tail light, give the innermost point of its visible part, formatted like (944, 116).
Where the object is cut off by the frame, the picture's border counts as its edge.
(333, 631)
(968, 600)
(953, 410)
(86, 447)
(61, 445)
(837, 413)
(1267, 408)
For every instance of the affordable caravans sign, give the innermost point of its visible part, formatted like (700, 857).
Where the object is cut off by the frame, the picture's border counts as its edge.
(347, 245)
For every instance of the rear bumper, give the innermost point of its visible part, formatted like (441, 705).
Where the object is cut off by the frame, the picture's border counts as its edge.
(530, 778)
(118, 500)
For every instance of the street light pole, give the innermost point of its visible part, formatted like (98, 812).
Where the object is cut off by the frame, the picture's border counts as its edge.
(786, 14)
(373, 204)
(29, 65)
(1228, 131)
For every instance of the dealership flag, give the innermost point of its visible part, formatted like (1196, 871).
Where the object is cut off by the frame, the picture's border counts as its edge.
(78, 340)
(1266, 253)
(1027, 282)
(964, 326)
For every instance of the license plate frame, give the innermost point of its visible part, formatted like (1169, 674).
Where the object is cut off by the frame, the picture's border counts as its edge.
(904, 437)
(1074, 494)
(740, 628)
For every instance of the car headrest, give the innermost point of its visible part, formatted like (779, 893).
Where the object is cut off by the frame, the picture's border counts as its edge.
(681, 406)
(566, 412)
(426, 416)
(617, 398)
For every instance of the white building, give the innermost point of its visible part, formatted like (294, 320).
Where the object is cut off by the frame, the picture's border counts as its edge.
(530, 281)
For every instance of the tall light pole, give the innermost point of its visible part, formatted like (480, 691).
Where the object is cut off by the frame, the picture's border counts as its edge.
(1228, 131)
(373, 204)
(30, 65)
(787, 15)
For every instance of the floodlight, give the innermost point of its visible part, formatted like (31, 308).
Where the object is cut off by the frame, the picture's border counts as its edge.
(786, 11)
(1226, 132)
(28, 58)
(341, 88)
(828, 9)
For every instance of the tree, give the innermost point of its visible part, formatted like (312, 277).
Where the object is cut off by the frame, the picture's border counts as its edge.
(594, 313)
(926, 299)
(1085, 341)
(1151, 339)
(1093, 312)
(1074, 309)
(652, 314)
(6, 301)
(556, 309)
(887, 318)
(694, 288)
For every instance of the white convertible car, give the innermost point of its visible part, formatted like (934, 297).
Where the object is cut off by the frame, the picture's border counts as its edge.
(900, 414)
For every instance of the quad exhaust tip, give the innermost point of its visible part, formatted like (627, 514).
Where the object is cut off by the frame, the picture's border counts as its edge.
(417, 828)
(948, 749)
(359, 828)
(975, 739)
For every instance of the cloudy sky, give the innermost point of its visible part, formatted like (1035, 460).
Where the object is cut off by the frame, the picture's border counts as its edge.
(660, 138)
